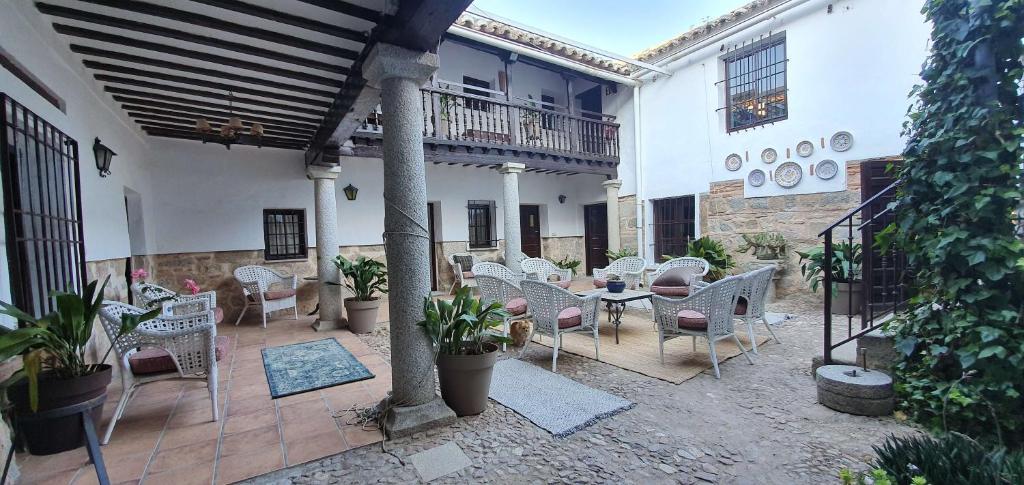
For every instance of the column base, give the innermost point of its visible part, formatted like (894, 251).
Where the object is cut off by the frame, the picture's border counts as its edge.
(324, 325)
(407, 420)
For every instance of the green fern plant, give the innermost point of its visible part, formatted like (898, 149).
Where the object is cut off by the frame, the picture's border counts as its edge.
(714, 252)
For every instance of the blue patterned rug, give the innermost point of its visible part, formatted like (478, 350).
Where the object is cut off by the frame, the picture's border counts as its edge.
(308, 366)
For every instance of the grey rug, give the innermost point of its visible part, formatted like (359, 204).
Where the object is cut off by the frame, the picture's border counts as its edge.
(308, 366)
(558, 404)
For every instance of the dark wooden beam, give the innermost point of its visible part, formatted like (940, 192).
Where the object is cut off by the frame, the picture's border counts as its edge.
(287, 115)
(216, 128)
(121, 56)
(477, 158)
(190, 18)
(221, 116)
(226, 88)
(244, 140)
(223, 107)
(350, 9)
(297, 21)
(225, 111)
(217, 59)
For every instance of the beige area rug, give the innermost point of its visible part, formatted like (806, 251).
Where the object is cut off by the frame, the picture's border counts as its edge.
(637, 349)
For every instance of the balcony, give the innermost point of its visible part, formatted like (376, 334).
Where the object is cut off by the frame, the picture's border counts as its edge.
(500, 124)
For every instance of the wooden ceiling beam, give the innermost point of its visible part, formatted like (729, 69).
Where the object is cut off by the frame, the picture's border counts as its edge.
(216, 128)
(122, 56)
(350, 9)
(220, 116)
(226, 111)
(244, 140)
(218, 59)
(289, 115)
(226, 88)
(297, 21)
(190, 18)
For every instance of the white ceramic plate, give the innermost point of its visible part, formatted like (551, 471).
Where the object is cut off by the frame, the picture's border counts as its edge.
(788, 175)
(805, 148)
(733, 162)
(841, 141)
(826, 169)
(769, 155)
(756, 177)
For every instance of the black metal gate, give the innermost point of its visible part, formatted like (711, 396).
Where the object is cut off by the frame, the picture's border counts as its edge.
(42, 208)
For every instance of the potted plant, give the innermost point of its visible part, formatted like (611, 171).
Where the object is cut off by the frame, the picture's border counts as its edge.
(465, 348)
(566, 263)
(715, 254)
(765, 245)
(845, 267)
(615, 284)
(365, 278)
(622, 253)
(54, 371)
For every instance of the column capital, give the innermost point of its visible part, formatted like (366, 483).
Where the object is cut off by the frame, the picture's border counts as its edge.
(512, 167)
(613, 183)
(387, 61)
(318, 172)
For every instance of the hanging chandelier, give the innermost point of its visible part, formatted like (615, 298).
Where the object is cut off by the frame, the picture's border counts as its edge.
(231, 132)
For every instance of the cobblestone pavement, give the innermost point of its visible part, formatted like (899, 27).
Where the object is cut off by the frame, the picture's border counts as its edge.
(757, 424)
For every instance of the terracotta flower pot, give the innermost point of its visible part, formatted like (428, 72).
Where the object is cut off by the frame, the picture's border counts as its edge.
(362, 315)
(55, 435)
(466, 380)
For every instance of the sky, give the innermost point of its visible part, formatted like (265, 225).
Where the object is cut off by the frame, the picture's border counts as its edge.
(606, 24)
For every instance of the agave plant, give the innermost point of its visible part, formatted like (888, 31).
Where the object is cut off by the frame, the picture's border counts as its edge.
(566, 263)
(462, 326)
(364, 277)
(57, 341)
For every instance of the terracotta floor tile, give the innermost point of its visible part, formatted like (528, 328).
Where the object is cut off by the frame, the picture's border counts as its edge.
(239, 467)
(187, 435)
(120, 445)
(119, 470)
(190, 417)
(313, 423)
(252, 440)
(303, 410)
(312, 447)
(346, 397)
(49, 464)
(194, 454)
(356, 436)
(245, 422)
(58, 478)
(184, 475)
(300, 397)
(249, 405)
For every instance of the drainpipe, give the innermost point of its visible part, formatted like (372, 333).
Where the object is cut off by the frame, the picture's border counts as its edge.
(638, 178)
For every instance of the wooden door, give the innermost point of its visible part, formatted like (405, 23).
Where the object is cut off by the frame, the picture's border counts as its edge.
(883, 275)
(433, 246)
(595, 236)
(529, 228)
(590, 104)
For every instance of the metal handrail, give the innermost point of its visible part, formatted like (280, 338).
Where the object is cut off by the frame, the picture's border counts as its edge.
(860, 207)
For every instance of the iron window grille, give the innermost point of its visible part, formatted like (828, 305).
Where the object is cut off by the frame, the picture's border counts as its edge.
(481, 224)
(755, 83)
(284, 234)
(674, 225)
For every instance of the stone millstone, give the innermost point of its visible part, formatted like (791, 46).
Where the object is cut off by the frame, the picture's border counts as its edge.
(866, 393)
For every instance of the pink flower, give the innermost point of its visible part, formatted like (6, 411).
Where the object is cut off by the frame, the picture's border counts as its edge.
(191, 285)
(140, 274)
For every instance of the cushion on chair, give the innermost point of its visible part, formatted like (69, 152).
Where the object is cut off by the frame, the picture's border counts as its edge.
(278, 294)
(516, 306)
(563, 284)
(670, 290)
(467, 274)
(570, 317)
(218, 314)
(741, 306)
(465, 261)
(599, 283)
(682, 276)
(692, 320)
(155, 361)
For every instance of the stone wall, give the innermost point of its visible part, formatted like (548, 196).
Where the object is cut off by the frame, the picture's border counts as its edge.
(627, 222)
(726, 215)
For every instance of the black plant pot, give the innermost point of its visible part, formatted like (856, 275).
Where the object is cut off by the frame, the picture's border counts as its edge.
(55, 435)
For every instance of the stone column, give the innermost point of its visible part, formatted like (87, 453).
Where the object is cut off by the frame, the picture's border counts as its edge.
(513, 239)
(326, 207)
(611, 188)
(399, 73)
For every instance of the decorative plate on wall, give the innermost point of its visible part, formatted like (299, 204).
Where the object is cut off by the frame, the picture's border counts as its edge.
(826, 169)
(756, 177)
(805, 148)
(788, 175)
(841, 141)
(733, 162)
(769, 155)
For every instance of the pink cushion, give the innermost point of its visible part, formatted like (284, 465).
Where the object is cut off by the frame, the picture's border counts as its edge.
(691, 320)
(570, 317)
(516, 306)
(153, 361)
(599, 283)
(671, 290)
(562, 284)
(741, 306)
(278, 294)
(467, 274)
(218, 315)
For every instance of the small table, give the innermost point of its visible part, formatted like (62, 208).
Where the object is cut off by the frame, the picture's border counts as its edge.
(616, 303)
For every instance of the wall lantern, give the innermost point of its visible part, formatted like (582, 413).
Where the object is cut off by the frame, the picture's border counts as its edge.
(561, 199)
(350, 192)
(103, 155)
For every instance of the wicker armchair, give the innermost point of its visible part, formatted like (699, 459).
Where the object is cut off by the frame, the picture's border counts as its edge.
(257, 286)
(147, 294)
(498, 271)
(496, 289)
(750, 304)
(698, 267)
(540, 269)
(168, 347)
(630, 268)
(708, 312)
(463, 276)
(557, 311)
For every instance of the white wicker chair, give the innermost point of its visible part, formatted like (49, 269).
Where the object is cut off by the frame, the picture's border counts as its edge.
(751, 301)
(630, 269)
(707, 312)
(256, 284)
(498, 271)
(685, 262)
(463, 276)
(540, 269)
(549, 304)
(146, 294)
(506, 292)
(188, 340)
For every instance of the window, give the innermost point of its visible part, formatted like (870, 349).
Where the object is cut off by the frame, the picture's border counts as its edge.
(673, 225)
(481, 224)
(755, 84)
(284, 234)
(476, 103)
(548, 104)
